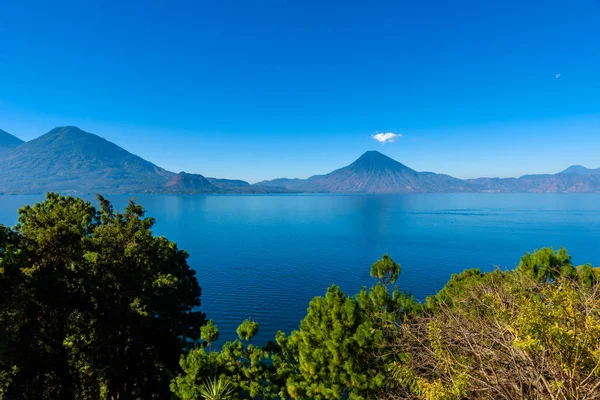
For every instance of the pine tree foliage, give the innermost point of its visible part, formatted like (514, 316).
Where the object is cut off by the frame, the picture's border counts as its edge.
(96, 306)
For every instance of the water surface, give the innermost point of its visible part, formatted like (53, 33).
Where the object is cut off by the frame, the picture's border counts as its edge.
(265, 256)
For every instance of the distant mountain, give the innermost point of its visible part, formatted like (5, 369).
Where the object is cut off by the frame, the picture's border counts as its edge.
(580, 170)
(374, 172)
(492, 185)
(68, 159)
(228, 183)
(8, 141)
(557, 183)
(293, 184)
(185, 183)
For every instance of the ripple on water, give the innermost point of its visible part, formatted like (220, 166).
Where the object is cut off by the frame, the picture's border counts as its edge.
(266, 257)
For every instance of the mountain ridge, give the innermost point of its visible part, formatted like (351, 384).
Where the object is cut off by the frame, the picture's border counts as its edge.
(375, 172)
(580, 170)
(8, 141)
(70, 160)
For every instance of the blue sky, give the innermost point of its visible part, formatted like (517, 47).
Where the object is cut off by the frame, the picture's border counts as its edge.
(269, 88)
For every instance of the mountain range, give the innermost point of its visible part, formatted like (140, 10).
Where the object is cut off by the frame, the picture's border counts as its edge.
(8, 141)
(69, 160)
(374, 172)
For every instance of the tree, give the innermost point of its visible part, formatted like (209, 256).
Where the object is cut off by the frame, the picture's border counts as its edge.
(386, 270)
(328, 352)
(100, 307)
(546, 264)
(247, 330)
(336, 352)
(493, 335)
(504, 335)
(247, 369)
(209, 333)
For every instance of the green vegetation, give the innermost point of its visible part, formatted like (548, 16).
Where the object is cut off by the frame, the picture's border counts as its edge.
(217, 389)
(94, 306)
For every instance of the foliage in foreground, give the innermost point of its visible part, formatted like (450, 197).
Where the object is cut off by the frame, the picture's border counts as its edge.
(531, 333)
(507, 336)
(92, 304)
(216, 389)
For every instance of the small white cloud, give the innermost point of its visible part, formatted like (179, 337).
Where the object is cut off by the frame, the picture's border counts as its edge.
(558, 76)
(388, 137)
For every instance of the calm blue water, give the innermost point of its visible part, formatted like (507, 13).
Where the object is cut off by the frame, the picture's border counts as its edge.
(265, 257)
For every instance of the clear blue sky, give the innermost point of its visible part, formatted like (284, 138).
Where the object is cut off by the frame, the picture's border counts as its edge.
(263, 89)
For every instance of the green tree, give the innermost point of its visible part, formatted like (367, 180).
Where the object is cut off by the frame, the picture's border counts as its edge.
(386, 270)
(336, 353)
(247, 330)
(461, 284)
(209, 333)
(328, 353)
(546, 264)
(99, 306)
(246, 368)
(587, 275)
(533, 332)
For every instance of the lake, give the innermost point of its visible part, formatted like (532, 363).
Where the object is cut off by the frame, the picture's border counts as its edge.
(265, 256)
